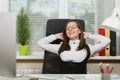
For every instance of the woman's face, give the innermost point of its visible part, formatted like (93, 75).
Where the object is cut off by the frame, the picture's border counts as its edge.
(72, 31)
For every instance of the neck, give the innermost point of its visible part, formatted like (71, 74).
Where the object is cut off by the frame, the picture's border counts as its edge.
(75, 39)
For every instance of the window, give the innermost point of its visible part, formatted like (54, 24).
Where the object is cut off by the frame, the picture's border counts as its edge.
(83, 9)
(39, 12)
(92, 11)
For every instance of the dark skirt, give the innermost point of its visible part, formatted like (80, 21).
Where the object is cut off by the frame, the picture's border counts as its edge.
(73, 68)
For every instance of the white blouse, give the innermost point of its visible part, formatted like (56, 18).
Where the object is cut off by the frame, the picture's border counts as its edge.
(72, 54)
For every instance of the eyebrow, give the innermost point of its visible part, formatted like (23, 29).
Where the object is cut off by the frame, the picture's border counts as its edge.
(72, 26)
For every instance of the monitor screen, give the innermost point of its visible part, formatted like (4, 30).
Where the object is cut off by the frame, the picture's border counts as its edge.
(8, 44)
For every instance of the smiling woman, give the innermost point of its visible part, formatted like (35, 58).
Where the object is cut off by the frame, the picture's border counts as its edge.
(73, 52)
(72, 30)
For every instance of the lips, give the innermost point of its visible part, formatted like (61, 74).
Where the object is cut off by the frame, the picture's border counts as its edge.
(71, 33)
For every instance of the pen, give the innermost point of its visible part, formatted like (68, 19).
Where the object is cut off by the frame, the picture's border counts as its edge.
(111, 69)
(69, 77)
(107, 68)
(101, 69)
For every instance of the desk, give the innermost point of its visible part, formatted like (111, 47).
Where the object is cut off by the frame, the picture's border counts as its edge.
(62, 77)
(95, 59)
(71, 77)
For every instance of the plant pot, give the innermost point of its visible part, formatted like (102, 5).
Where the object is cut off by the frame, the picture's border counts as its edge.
(23, 50)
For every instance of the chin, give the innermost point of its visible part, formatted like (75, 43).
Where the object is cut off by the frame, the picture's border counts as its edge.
(72, 38)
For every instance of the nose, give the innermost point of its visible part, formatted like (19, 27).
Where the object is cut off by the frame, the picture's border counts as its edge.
(70, 28)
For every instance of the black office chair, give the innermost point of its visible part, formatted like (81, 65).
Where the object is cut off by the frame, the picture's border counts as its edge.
(51, 64)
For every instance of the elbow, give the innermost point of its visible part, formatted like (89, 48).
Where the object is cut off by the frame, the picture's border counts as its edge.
(105, 42)
(41, 44)
(109, 41)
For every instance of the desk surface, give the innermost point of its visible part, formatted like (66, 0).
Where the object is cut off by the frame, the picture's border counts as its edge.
(61, 77)
(39, 57)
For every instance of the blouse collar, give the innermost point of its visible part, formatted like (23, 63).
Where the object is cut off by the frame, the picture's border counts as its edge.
(74, 44)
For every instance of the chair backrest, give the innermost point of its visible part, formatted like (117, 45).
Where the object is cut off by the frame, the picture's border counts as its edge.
(51, 64)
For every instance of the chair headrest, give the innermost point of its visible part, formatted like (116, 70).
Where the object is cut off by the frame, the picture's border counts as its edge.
(57, 25)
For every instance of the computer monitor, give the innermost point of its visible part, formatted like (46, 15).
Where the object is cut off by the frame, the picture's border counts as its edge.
(8, 44)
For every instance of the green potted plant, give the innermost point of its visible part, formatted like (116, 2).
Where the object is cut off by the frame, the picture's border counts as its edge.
(23, 32)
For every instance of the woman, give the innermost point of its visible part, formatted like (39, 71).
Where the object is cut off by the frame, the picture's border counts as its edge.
(73, 51)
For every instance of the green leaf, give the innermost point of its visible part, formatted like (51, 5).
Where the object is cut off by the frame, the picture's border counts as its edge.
(23, 27)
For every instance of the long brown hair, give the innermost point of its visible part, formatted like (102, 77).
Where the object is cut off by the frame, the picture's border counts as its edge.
(65, 45)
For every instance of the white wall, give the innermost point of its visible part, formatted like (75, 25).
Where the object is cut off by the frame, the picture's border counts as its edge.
(4, 5)
(117, 3)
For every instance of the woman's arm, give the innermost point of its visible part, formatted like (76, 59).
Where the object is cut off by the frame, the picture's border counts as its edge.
(102, 42)
(45, 44)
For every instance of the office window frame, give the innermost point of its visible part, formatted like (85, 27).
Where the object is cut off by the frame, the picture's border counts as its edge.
(63, 8)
